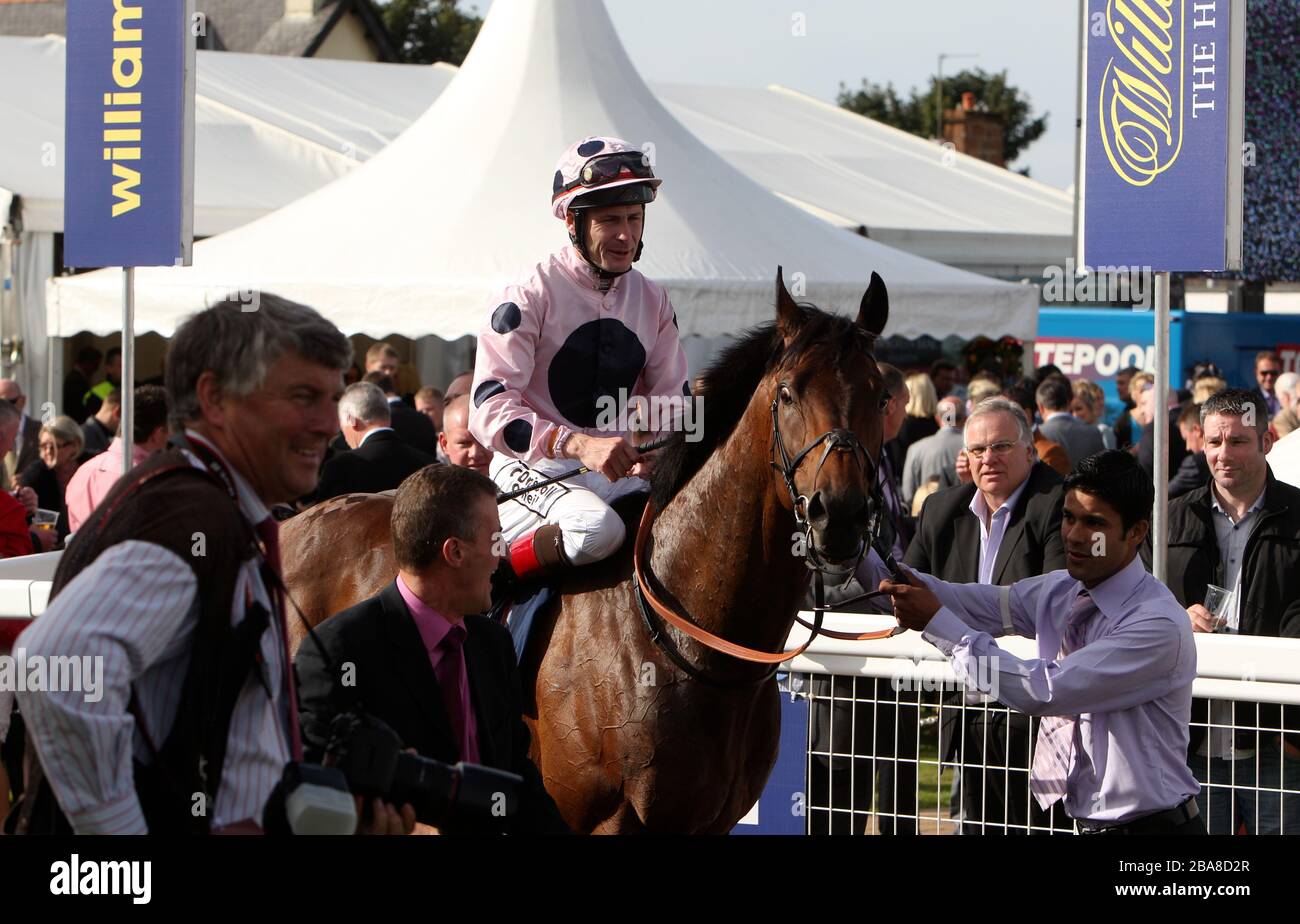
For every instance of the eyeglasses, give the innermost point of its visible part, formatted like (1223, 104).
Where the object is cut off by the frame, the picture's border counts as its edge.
(51, 447)
(609, 167)
(1271, 373)
(1000, 448)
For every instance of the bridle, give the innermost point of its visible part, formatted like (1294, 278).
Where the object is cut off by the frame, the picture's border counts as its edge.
(836, 439)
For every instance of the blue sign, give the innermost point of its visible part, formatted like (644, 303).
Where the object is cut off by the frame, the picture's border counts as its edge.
(129, 174)
(782, 806)
(1156, 127)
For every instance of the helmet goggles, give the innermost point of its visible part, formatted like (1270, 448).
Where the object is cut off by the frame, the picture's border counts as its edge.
(607, 168)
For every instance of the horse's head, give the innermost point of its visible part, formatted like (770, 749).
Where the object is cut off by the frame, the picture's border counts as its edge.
(827, 398)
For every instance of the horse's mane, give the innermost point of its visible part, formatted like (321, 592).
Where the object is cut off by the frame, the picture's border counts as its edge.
(731, 380)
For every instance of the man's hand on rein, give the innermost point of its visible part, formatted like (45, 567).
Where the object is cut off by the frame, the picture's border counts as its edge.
(914, 603)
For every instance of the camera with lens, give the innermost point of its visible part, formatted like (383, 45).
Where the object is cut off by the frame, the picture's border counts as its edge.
(372, 758)
(366, 758)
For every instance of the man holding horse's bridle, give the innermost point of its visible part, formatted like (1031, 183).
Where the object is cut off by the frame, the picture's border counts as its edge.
(582, 333)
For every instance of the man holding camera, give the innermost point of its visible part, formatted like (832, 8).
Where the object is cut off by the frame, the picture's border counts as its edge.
(445, 681)
(172, 586)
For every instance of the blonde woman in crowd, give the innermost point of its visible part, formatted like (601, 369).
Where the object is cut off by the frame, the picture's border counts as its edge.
(1128, 429)
(1089, 405)
(1205, 386)
(922, 404)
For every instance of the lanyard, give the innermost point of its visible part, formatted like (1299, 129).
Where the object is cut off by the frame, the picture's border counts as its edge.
(273, 587)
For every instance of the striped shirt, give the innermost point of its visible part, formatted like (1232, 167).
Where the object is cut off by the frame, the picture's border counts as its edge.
(136, 607)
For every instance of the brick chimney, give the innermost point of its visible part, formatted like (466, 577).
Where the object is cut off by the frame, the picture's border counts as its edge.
(975, 131)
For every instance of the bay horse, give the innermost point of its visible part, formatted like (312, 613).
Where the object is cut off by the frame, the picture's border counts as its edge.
(625, 738)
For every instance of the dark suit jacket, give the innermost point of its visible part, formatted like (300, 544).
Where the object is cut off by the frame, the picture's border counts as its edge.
(381, 463)
(947, 545)
(395, 681)
(75, 386)
(49, 496)
(31, 444)
(1193, 473)
(413, 428)
(95, 436)
(1147, 446)
(1079, 439)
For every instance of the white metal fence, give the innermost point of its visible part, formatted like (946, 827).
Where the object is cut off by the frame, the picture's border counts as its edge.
(894, 748)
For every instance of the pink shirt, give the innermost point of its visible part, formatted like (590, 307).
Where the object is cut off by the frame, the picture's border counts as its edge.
(433, 628)
(555, 343)
(91, 483)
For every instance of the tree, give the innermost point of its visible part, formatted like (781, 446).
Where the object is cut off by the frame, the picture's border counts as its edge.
(426, 31)
(916, 113)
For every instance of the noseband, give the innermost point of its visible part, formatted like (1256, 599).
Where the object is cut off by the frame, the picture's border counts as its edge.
(835, 439)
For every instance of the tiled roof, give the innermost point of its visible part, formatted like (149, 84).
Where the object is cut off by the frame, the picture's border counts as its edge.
(32, 17)
(259, 26)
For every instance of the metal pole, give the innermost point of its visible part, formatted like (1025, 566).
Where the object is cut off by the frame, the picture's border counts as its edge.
(127, 387)
(938, 102)
(1078, 125)
(1160, 516)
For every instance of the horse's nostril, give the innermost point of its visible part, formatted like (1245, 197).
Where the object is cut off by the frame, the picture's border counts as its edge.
(816, 509)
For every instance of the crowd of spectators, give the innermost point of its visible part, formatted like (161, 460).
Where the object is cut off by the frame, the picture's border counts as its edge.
(973, 484)
(981, 477)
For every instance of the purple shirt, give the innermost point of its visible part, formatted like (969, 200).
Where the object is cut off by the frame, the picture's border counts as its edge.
(1130, 683)
(433, 628)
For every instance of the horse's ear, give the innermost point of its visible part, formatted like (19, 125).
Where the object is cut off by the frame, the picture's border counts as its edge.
(874, 310)
(788, 315)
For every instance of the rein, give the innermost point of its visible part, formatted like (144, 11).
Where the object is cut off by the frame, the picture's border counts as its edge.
(836, 439)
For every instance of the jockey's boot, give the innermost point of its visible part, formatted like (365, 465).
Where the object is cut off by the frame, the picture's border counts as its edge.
(539, 553)
(522, 573)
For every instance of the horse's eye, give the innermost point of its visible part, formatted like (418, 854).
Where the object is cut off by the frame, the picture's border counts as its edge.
(784, 394)
(884, 401)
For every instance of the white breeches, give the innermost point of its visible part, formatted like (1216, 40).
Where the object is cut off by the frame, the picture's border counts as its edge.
(579, 505)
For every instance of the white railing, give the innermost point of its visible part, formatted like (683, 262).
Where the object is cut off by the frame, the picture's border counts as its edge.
(877, 710)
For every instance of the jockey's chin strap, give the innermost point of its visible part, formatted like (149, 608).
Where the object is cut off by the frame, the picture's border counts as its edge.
(836, 439)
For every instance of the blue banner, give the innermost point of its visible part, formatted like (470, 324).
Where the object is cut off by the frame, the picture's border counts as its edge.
(1156, 134)
(128, 183)
(782, 806)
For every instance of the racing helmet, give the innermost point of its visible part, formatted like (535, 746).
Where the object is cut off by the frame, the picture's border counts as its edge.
(600, 171)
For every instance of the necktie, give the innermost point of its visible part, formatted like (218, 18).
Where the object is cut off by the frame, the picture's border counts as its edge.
(268, 532)
(1055, 746)
(450, 676)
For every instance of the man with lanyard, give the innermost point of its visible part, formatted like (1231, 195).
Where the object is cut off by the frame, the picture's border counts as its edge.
(172, 584)
(581, 335)
(1113, 679)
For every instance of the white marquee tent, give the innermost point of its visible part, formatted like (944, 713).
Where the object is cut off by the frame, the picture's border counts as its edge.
(418, 239)
(268, 131)
(901, 190)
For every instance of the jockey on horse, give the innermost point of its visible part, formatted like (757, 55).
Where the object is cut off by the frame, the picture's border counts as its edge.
(584, 327)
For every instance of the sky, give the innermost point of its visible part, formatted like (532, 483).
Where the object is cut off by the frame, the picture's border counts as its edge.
(751, 43)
